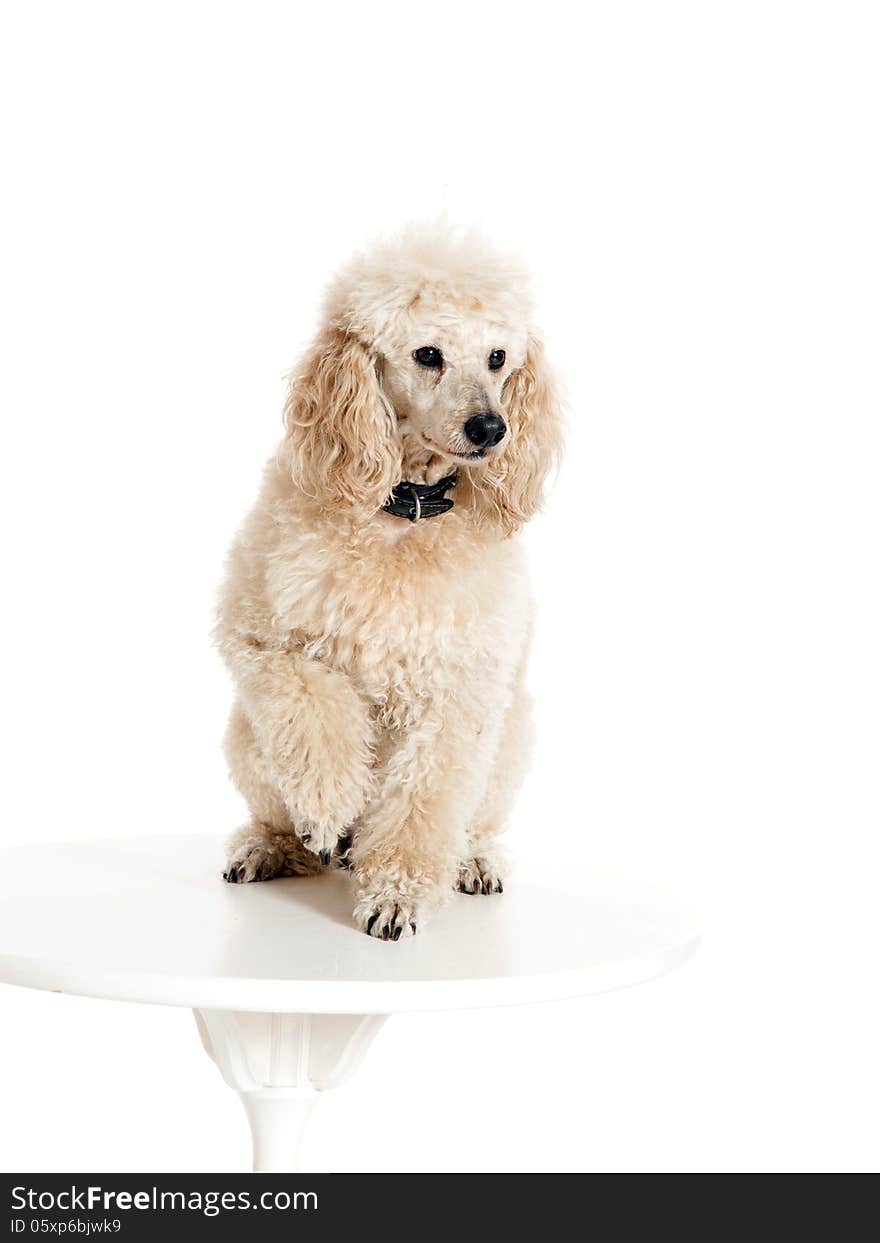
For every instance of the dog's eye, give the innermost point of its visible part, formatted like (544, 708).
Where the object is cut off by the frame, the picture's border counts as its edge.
(496, 360)
(427, 356)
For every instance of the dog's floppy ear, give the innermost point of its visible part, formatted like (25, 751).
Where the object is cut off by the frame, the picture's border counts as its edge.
(340, 428)
(512, 485)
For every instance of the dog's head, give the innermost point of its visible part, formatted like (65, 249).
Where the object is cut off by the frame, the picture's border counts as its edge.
(427, 358)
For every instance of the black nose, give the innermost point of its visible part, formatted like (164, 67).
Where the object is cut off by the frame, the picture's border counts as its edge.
(485, 430)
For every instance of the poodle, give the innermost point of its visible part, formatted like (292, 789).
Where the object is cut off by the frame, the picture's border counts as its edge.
(376, 611)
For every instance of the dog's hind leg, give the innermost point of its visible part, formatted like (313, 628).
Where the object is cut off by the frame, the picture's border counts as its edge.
(483, 870)
(268, 846)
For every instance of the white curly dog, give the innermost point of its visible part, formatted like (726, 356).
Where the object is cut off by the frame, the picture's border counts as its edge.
(376, 610)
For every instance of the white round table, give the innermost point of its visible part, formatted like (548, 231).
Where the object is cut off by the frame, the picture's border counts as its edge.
(287, 993)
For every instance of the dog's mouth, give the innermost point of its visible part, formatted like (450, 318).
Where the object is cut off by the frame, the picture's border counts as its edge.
(459, 455)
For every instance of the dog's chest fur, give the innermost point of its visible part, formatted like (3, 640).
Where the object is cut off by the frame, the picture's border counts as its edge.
(409, 619)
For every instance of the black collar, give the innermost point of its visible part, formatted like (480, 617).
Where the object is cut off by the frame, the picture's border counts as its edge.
(420, 500)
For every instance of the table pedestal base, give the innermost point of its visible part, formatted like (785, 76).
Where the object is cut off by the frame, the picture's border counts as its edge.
(280, 1064)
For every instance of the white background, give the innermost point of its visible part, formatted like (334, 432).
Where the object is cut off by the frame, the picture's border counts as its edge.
(696, 187)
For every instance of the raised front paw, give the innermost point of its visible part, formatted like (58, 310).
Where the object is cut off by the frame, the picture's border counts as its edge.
(387, 919)
(479, 875)
(321, 841)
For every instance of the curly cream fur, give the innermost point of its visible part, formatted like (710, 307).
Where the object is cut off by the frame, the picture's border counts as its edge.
(379, 664)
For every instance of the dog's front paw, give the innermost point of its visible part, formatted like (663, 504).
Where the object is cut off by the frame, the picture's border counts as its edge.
(479, 875)
(321, 841)
(387, 919)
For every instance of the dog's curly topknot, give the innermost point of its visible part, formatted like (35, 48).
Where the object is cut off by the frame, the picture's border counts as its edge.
(438, 264)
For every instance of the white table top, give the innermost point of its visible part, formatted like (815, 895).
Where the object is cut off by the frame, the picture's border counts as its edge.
(149, 919)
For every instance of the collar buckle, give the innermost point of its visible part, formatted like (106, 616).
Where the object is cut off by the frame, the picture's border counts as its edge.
(415, 501)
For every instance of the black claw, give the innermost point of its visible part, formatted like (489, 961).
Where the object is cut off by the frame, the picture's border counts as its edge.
(386, 933)
(412, 925)
(499, 887)
(306, 837)
(371, 921)
(398, 932)
(324, 856)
